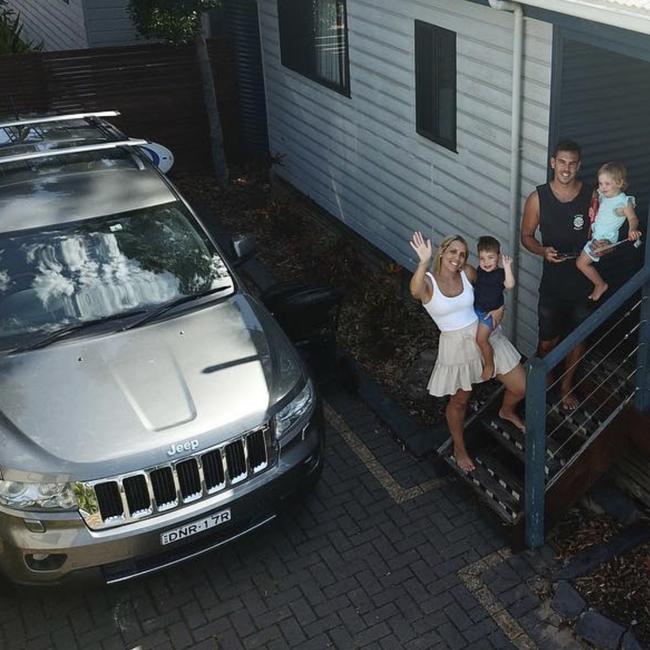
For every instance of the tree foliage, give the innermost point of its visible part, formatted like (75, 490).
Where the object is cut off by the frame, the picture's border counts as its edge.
(173, 21)
(11, 37)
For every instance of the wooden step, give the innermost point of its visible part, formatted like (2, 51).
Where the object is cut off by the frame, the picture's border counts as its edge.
(514, 441)
(493, 490)
(581, 422)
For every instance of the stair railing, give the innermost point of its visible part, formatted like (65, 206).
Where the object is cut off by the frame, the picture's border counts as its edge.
(536, 390)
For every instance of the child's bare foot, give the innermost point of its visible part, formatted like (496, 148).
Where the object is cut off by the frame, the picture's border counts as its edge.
(599, 290)
(513, 418)
(488, 372)
(569, 402)
(464, 462)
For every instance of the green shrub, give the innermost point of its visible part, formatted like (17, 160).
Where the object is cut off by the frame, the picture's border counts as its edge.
(11, 40)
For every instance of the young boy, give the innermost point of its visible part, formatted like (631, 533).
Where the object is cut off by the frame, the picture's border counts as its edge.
(491, 280)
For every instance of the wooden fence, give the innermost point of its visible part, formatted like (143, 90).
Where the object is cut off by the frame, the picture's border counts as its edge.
(157, 89)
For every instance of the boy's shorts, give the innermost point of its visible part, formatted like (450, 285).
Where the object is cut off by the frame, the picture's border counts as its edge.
(484, 318)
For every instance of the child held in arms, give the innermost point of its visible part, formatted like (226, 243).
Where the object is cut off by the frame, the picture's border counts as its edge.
(491, 280)
(614, 207)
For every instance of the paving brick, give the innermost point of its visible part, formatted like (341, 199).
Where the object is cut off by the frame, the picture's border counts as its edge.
(303, 611)
(321, 625)
(212, 629)
(372, 634)
(317, 643)
(263, 637)
(352, 620)
(451, 636)
(229, 640)
(292, 631)
(243, 623)
(479, 632)
(63, 639)
(114, 642)
(401, 628)
(42, 642)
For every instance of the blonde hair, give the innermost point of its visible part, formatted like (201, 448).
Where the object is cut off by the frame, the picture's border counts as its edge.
(616, 171)
(444, 245)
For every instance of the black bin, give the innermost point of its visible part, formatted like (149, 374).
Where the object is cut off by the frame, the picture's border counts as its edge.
(309, 315)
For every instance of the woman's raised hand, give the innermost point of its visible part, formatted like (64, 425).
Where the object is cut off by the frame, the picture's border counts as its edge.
(421, 246)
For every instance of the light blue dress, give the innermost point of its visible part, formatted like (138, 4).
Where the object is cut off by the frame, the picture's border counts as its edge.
(607, 222)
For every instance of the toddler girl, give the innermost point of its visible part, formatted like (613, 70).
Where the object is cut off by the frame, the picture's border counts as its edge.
(614, 207)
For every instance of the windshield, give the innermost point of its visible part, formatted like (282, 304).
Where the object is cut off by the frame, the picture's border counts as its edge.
(88, 270)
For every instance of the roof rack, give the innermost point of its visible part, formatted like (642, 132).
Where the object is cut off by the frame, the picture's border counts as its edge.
(58, 118)
(70, 150)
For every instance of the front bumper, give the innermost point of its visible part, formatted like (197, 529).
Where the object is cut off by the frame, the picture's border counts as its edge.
(67, 548)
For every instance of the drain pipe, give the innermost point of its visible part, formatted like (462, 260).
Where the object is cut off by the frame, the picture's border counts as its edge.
(515, 147)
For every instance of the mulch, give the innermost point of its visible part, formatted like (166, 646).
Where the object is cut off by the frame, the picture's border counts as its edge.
(385, 330)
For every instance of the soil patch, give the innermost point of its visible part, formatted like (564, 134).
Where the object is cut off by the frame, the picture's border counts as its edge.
(618, 589)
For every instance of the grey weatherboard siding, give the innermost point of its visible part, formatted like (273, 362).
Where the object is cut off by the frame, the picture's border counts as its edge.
(59, 25)
(360, 157)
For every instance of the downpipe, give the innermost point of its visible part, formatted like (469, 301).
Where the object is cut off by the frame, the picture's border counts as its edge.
(515, 150)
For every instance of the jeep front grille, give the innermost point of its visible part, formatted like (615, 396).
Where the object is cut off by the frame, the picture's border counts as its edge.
(127, 498)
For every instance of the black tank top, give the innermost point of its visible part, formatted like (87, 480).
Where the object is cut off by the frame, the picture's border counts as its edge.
(565, 226)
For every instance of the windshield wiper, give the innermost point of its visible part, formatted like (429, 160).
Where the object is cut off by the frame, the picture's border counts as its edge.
(62, 332)
(166, 306)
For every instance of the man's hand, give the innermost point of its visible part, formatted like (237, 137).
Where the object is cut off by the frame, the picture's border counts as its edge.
(551, 255)
(633, 235)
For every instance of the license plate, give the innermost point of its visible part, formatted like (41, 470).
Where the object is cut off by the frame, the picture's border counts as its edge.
(195, 527)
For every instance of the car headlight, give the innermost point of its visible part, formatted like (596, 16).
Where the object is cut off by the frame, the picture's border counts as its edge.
(37, 496)
(287, 417)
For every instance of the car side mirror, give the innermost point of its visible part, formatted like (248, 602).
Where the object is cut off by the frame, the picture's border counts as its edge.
(243, 245)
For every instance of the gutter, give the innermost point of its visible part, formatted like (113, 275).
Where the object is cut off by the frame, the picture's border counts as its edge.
(515, 148)
(607, 12)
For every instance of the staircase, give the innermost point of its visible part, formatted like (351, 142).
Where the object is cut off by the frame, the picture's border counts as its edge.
(580, 445)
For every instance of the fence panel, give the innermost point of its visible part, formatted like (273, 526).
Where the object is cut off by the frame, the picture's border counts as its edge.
(157, 88)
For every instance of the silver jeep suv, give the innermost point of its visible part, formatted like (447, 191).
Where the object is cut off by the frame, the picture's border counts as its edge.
(150, 408)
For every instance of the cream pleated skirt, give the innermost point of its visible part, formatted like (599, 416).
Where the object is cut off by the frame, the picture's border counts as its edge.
(459, 363)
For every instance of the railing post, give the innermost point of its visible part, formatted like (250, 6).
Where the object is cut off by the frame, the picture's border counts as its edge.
(535, 452)
(642, 397)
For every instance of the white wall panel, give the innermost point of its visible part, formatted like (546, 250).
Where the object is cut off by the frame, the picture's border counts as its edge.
(360, 157)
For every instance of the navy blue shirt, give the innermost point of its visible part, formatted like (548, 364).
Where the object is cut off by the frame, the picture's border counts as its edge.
(488, 290)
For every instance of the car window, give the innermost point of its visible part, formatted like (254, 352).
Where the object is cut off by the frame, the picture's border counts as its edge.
(85, 270)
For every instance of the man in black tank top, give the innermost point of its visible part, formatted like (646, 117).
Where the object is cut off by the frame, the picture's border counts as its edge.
(560, 210)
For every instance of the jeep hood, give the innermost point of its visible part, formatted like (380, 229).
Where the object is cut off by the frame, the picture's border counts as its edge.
(85, 408)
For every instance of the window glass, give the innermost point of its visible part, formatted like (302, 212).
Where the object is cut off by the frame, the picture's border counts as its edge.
(313, 40)
(87, 270)
(435, 83)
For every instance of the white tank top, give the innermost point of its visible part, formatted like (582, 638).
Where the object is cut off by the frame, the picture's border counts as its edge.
(452, 313)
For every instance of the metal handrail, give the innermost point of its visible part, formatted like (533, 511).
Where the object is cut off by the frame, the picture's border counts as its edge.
(537, 370)
(72, 150)
(58, 118)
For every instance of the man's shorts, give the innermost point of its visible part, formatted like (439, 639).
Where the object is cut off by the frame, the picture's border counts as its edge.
(484, 318)
(557, 316)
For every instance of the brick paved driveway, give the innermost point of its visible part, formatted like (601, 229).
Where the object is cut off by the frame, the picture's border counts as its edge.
(383, 554)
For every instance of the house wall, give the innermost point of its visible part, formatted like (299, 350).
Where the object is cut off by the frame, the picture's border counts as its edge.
(109, 24)
(57, 23)
(360, 157)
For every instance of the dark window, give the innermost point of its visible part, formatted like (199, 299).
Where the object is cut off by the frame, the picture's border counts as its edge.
(314, 40)
(435, 83)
